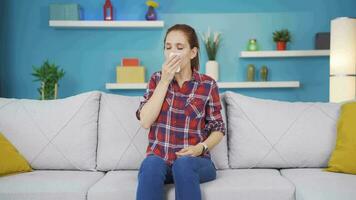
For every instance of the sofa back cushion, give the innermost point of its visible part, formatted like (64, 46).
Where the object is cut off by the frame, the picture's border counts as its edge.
(53, 134)
(277, 134)
(122, 142)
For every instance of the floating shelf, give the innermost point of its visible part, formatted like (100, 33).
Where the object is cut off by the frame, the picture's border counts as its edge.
(105, 24)
(244, 84)
(286, 53)
(260, 84)
(125, 86)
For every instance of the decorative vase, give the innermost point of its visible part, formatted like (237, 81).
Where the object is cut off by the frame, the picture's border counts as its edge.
(151, 14)
(251, 72)
(264, 73)
(281, 46)
(212, 69)
(252, 45)
(108, 11)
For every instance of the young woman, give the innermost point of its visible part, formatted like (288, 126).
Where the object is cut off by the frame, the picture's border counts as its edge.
(182, 109)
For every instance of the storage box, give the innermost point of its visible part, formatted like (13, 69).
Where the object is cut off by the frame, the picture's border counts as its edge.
(64, 11)
(322, 40)
(130, 74)
(130, 62)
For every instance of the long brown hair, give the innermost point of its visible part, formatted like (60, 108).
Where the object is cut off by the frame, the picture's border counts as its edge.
(192, 38)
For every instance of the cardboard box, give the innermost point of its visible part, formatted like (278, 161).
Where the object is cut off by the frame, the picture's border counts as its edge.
(130, 74)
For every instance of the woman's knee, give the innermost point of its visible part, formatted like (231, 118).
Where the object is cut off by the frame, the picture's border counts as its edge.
(183, 164)
(153, 166)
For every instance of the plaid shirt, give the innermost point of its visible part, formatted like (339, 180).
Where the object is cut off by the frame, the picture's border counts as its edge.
(188, 115)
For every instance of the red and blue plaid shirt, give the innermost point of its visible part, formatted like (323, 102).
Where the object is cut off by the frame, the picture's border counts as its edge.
(188, 115)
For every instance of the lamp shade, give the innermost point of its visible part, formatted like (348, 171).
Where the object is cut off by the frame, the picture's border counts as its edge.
(343, 59)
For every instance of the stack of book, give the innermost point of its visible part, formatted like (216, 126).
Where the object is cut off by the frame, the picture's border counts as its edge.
(130, 71)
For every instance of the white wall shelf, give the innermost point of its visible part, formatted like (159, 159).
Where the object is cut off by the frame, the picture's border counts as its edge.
(243, 84)
(125, 86)
(260, 84)
(286, 53)
(105, 24)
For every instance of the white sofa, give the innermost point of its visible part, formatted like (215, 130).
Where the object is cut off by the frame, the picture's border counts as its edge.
(90, 146)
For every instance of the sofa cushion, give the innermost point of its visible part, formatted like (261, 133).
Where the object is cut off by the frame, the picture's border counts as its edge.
(122, 142)
(43, 184)
(312, 184)
(53, 134)
(11, 161)
(343, 158)
(219, 152)
(230, 184)
(277, 134)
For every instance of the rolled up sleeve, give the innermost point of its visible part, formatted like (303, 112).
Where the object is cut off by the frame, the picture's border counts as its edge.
(213, 119)
(151, 86)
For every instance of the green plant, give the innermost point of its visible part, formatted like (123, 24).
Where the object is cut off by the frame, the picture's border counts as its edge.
(49, 75)
(282, 36)
(211, 42)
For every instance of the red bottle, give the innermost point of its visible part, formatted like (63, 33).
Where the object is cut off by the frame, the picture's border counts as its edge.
(108, 11)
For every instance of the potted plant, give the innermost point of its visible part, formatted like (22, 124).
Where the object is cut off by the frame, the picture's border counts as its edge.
(212, 43)
(151, 13)
(49, 75)
(281, 38)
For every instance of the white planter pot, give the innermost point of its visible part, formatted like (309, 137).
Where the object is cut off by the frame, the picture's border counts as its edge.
(212, 69)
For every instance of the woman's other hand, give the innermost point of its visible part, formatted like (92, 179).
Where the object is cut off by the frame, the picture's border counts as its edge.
(195, 150)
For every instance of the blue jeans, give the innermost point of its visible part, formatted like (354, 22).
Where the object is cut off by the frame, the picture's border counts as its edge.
(187, 172)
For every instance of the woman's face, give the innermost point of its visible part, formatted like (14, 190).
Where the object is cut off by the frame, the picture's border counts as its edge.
(176, 42)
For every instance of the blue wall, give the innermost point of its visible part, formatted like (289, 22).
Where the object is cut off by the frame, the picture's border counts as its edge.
(89, 57)
(2, 46)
